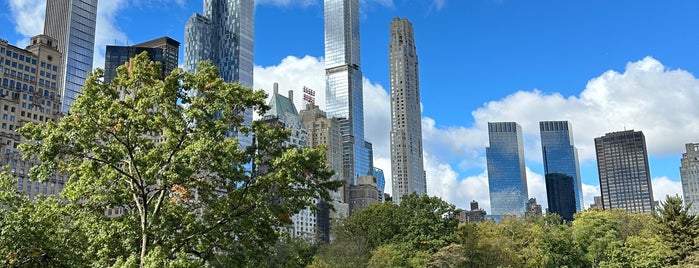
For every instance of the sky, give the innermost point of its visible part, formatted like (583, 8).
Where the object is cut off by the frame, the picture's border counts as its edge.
(605, 66)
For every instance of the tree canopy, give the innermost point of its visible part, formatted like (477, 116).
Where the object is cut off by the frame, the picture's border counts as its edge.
(192, 195)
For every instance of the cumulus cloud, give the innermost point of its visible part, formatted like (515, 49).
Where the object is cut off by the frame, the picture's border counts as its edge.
(664, 186)
(25, 14)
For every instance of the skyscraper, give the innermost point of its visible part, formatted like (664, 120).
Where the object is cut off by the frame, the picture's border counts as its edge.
(507, 177)
(163, 50)
(624, 175)
(343, 77)
(72, 24)
(561, 161)
(407, 167)
(224, 35)
(689, 172)
(380, 182)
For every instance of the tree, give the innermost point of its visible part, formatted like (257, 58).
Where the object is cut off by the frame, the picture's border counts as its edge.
(167, 156)
(32, 232)
(678, 228)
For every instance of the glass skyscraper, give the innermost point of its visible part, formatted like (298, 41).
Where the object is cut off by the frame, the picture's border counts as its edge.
(689, 172)
(624, 175)
(561, 161)
(380, 182)
(507, 177)
(344, 92)
(407, 168)
(72, 24)
(163, 50)
(224, 35)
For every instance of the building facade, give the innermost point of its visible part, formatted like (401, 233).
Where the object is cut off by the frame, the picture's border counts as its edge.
(407, 169)
(507, 177)
(343, 92)
(224, 35)
(533, 209)
(29, 92)
(559, 193)
(164, 50)
(380, 182)
(72, 24)
(363, 194)
(624, 174)
(474, 215)
(283, 111)
(689, 173)
(560, 157)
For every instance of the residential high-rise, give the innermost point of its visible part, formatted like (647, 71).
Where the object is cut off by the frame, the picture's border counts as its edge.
(163, 50)
(689, 172)
(624, 175)
(507, 177)
(407, 167)
(324, 131)
(363, 194)
(474, 215)
(72, 24)
(561, 157)
(29, 92)
(344, 93)
(224, 35)
(283, 111)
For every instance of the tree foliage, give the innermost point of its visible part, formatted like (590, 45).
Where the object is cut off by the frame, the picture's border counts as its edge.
(193, 196)
(678, 229)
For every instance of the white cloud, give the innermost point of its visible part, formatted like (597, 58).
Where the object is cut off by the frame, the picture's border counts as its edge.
(663, 186)
(25, 14)
(438, 4)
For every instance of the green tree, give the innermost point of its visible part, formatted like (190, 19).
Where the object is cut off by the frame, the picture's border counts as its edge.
(167, 156)
(678, 228)
(32, 232)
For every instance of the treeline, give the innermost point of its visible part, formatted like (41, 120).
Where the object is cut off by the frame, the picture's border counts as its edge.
(421, 233)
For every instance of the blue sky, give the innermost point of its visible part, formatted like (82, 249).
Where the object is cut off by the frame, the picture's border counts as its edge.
(603, 65)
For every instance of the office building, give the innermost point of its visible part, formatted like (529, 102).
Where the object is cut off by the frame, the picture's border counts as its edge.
(560, 162)
(72, 24)
(164, 50)
(624, 175)
(224, 35)
(344, 93)
(407, 167)
(689, 173)
(507, 177)
(29, 92)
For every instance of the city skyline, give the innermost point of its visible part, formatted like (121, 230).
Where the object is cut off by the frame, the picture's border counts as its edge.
(554, 66)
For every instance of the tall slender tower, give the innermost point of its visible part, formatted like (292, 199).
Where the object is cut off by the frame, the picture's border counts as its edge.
(507, 177)
(689, 172)
(563, 185)
(343, 78)
(225, 36)
(72, 24)
(407, 170)
(624, 175)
